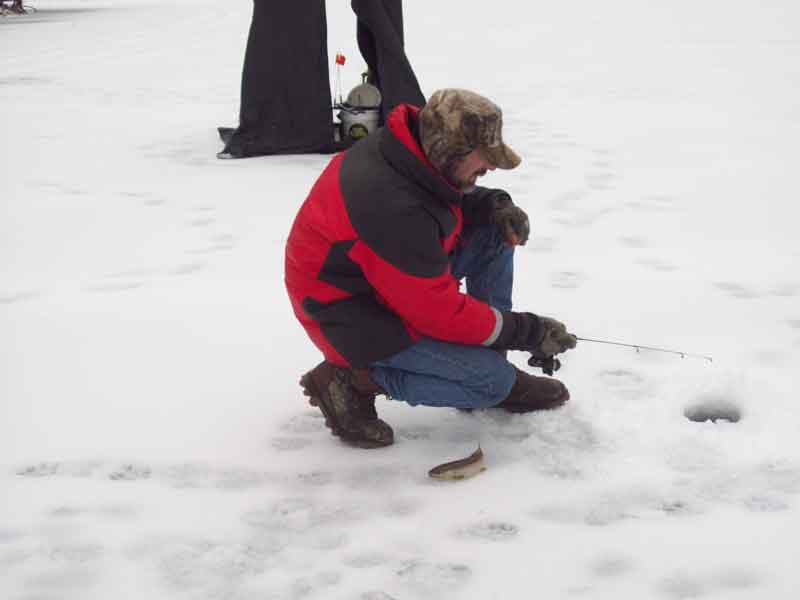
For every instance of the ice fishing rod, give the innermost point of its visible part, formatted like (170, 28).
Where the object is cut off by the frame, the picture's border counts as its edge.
(550, 364)
(639, 347)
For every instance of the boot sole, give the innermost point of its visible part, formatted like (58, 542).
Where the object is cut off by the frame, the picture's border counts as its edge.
(315, 398)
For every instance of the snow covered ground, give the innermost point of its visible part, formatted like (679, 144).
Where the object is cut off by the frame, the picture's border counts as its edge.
(153, 439)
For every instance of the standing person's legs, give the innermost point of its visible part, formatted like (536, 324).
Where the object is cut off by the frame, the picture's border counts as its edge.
(437, 373)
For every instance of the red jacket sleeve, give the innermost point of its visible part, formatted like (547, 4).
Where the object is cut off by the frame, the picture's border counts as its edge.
(432, 303)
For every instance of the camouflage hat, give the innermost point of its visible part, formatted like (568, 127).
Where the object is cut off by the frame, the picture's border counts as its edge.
(455, 122)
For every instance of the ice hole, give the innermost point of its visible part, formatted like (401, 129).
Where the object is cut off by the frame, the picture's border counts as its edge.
(713, 408)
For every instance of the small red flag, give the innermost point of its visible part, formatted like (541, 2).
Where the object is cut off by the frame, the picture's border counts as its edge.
(340, 58)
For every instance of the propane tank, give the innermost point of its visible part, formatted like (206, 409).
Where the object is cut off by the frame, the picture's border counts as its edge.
(361, 112)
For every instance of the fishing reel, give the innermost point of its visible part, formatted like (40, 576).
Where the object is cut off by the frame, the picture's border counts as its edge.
(548, 364)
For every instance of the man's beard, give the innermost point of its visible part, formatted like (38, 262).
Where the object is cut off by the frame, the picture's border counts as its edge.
(464, 185)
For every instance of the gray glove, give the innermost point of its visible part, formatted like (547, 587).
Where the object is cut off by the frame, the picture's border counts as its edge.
(555, 338)
(513, 224)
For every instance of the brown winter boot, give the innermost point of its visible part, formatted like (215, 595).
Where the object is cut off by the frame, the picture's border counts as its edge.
(534, 393)
(347, 399)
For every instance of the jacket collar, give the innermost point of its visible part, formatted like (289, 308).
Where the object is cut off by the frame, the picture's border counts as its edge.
(401, 148)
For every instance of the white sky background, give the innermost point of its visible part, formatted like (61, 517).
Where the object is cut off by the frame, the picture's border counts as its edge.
(153, 439)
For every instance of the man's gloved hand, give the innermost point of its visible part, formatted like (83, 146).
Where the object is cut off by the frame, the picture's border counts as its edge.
(555, 338)
(542, 336)
(513, 224)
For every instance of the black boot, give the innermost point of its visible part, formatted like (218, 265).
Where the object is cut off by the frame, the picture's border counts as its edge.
(347, 399)
(534, 393)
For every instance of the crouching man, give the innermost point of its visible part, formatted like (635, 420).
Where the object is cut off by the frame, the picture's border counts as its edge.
(373, 264)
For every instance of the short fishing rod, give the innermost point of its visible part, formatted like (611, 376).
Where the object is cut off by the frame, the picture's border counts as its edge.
(639, 347)
(550, 364)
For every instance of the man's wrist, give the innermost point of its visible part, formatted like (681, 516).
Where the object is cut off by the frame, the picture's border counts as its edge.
(519, 331)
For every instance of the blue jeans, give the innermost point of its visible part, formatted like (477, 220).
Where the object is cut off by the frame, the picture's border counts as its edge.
(436, 373)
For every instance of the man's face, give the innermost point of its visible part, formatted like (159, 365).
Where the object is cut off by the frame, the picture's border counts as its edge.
(465, 172)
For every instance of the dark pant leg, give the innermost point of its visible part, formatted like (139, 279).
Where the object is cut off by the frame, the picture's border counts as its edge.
(380, 38)
(285, 99)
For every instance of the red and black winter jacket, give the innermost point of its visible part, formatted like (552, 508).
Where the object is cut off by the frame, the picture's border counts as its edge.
(367, 266)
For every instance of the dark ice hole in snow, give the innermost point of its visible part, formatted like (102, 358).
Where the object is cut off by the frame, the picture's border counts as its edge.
(713, 408)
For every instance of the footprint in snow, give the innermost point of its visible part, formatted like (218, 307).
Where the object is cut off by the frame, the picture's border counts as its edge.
(130, 472)
(611, 566)
(602, 164)
(201, 221)
(316, 584)
(25, 80)
(76, 553)
(189, 268)
(204, 565)
(202, 476)
(493, 531)
(112, 287)
(366, 560)
(221, 238)
(288, 444)
(655, 264)
(679, 508)
(213, 248)
(736, 578)
(653, 203)
(18, 297)
(621, 378)
(55, 468)
(633, 241)
(8, 536)
(315, 478)
(376, 595)
(599, 181)
(188, 475)
(146, 198)
(764, 503)
(114, 512)
(786, 290)
(300, 515)
(736, 290)
(681, 584)
(131, 274)
(434, 578)
(121, 281)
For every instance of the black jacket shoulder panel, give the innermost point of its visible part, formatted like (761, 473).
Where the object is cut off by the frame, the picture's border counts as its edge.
(399, 219)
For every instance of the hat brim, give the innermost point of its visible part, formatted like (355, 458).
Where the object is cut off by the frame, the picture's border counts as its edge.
(501, 156)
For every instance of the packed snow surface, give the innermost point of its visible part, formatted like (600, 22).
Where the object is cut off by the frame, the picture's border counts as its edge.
(154, 442)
